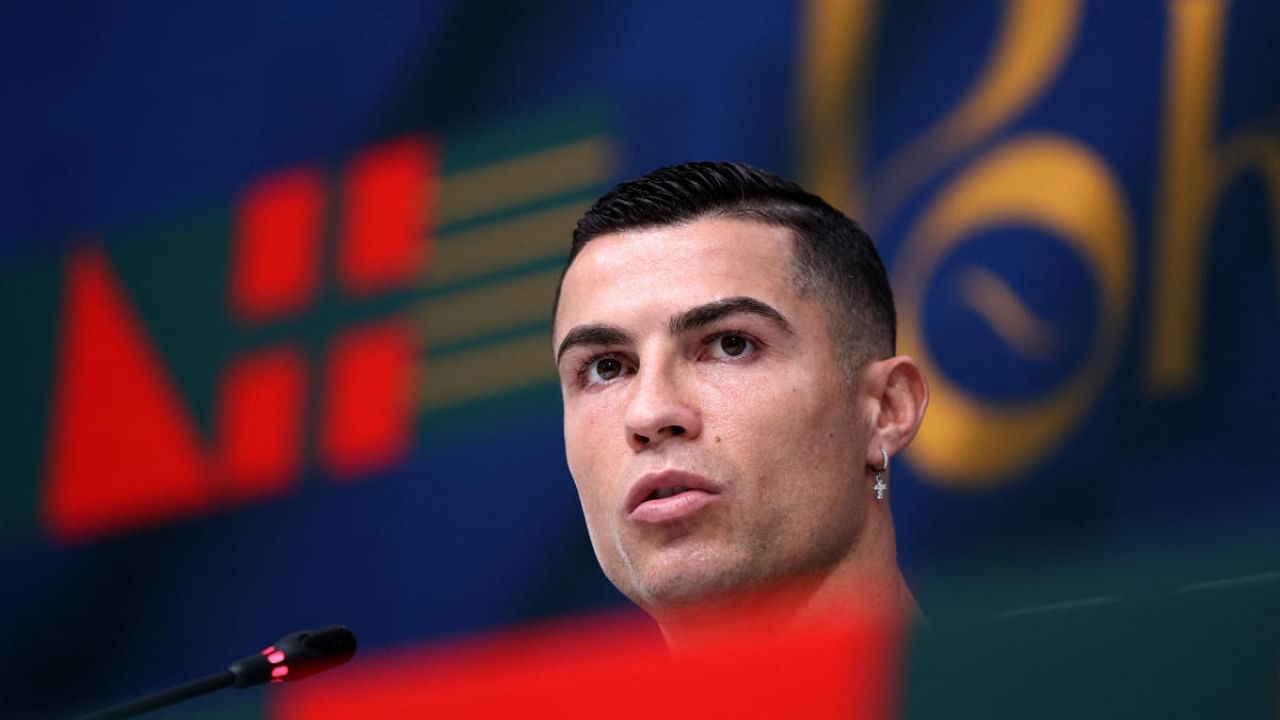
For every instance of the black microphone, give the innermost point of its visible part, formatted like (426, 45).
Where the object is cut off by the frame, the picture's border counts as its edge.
(296, 656)
(292, 657)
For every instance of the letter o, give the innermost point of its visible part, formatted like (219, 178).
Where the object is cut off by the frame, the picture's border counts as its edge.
(1050, 182)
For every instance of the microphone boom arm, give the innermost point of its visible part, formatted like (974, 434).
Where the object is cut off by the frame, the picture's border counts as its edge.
(155, 701)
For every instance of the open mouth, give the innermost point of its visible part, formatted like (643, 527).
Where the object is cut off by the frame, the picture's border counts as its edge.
(669, 494)
(666, 492)
(671, 503)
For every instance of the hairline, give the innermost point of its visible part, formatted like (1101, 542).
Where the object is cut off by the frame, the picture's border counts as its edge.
(816, 287)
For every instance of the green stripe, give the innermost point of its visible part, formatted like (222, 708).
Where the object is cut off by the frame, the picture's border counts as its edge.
(472, 150)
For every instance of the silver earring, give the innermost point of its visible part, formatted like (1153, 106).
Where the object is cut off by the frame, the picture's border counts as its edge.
(880, 485)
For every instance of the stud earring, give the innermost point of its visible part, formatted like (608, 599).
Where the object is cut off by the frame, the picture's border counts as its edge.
(880, 485)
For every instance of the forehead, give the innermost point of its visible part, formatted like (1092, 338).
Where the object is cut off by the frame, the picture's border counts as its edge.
(659, 271)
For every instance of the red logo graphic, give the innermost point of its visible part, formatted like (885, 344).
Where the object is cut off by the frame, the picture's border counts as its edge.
(124, 450)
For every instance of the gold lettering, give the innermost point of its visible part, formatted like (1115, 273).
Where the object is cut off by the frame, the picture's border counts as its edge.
(837, 42)
(1033, 43)
(1054, 183)
(1192, 179)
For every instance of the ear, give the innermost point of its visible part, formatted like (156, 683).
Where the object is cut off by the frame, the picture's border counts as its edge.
(896, 391)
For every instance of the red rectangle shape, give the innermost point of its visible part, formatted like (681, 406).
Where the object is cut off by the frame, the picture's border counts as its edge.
(275, 260)
(260, 411)
(616, 670)
(389, 193)
(368, 399)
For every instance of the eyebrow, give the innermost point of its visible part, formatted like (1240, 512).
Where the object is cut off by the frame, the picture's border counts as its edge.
(704, 315)
(691, 319)
(598, 334)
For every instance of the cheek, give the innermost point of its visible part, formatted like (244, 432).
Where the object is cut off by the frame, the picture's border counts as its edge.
(590, 452)
(764, 403)
(594, 467)
(788, 428)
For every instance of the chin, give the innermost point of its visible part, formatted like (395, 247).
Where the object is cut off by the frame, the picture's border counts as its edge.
(691, 583)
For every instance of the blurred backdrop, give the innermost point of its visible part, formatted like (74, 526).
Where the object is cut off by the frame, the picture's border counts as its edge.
(277, 282)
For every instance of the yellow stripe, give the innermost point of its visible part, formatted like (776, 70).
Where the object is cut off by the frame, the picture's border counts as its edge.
(484, 310)
(1035, 39)
(485, 371)
(494, 369)
(545, 234)
(1006, 314)
(838, 35)
(525, 179)
(1193, 64)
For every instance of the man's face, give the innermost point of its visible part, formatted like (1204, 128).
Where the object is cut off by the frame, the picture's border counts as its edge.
(714, 439)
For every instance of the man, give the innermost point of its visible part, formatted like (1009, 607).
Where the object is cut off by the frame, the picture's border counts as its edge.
(732, 402)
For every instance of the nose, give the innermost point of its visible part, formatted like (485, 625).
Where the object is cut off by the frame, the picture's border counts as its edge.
(660, 409)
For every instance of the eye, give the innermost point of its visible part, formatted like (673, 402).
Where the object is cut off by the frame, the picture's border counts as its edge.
(731, 345)
(603, 370)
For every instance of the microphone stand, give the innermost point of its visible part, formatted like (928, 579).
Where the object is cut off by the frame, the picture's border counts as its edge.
(292, 657)
(155, 701)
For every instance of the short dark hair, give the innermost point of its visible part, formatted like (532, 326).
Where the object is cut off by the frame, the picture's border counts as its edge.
(833, 258)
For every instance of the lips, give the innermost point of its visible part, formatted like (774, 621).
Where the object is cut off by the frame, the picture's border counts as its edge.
(669, 495)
